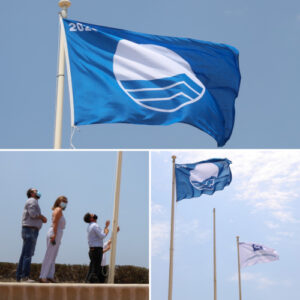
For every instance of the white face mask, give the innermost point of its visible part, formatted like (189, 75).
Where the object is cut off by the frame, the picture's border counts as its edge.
(63, 205)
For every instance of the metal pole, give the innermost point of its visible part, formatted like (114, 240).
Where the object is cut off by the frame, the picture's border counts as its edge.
(172, 232)
(63, 4)
(111, 274)
(239, 266)
(215, 260)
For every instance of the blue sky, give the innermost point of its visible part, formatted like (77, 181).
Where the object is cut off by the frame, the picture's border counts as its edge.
(88, 180)
(267, 34)
(260, 205)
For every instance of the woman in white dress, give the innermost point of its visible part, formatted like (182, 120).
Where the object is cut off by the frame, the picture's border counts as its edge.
(54, 237)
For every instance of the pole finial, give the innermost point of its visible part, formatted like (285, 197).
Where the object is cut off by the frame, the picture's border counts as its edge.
(173, 158)
(64, 3)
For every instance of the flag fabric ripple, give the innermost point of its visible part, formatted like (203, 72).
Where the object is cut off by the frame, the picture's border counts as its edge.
(204, 177)
(120, 76)
(251, 254)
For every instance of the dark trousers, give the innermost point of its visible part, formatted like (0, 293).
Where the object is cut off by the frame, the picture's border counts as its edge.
(29, 236)
(94, 274)
(103, 274)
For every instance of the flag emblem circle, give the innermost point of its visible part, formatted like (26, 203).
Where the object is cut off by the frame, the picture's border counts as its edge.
(155, 77)
(204, 175)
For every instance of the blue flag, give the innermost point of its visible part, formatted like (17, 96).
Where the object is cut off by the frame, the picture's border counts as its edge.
(120, 76)
(204, 177)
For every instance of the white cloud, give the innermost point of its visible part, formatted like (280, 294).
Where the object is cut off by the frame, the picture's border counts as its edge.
(279, 236)
(193, 231)
(284, 216)
(157, 209)
(269, 180)
(160, 233)
(266, 180)
(264, 282)
(271, 225)
(257, 278)
(285, 234)
(275, 240)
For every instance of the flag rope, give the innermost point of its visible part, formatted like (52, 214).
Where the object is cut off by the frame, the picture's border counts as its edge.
(73, 130)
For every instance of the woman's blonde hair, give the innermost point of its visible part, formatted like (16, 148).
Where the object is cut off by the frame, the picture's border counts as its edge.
(58, 201)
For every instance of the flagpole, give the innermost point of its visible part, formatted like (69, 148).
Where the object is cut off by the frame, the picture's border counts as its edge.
(239, 267)
(172, 232)
(63, 4)
(215, 262)
(111, 274)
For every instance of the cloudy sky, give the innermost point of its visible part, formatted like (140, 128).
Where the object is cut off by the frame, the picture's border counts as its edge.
(261, 205)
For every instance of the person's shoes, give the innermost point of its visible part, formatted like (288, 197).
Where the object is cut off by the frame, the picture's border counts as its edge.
(27, 280)
(52, 280)
(43, 280)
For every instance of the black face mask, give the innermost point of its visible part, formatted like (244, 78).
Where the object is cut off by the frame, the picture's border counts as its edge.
(95, 217)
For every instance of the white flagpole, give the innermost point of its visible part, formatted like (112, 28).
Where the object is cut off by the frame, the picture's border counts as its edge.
(63, 4)
(215, 262)
(172, 233)
(111, 274)
(239, 266)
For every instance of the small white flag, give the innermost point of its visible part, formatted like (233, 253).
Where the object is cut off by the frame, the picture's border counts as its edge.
(251, 254)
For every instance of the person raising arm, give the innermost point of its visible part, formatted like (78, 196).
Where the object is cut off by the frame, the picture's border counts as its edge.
(95, 241)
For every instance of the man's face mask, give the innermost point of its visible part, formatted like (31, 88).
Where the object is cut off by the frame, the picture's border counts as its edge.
(38, 194)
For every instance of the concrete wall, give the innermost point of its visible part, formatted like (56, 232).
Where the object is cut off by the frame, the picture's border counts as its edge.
(62, 291)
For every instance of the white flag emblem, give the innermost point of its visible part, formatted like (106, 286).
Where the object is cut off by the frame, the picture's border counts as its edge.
(204, 175)
(155, 77)
(251, 254)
